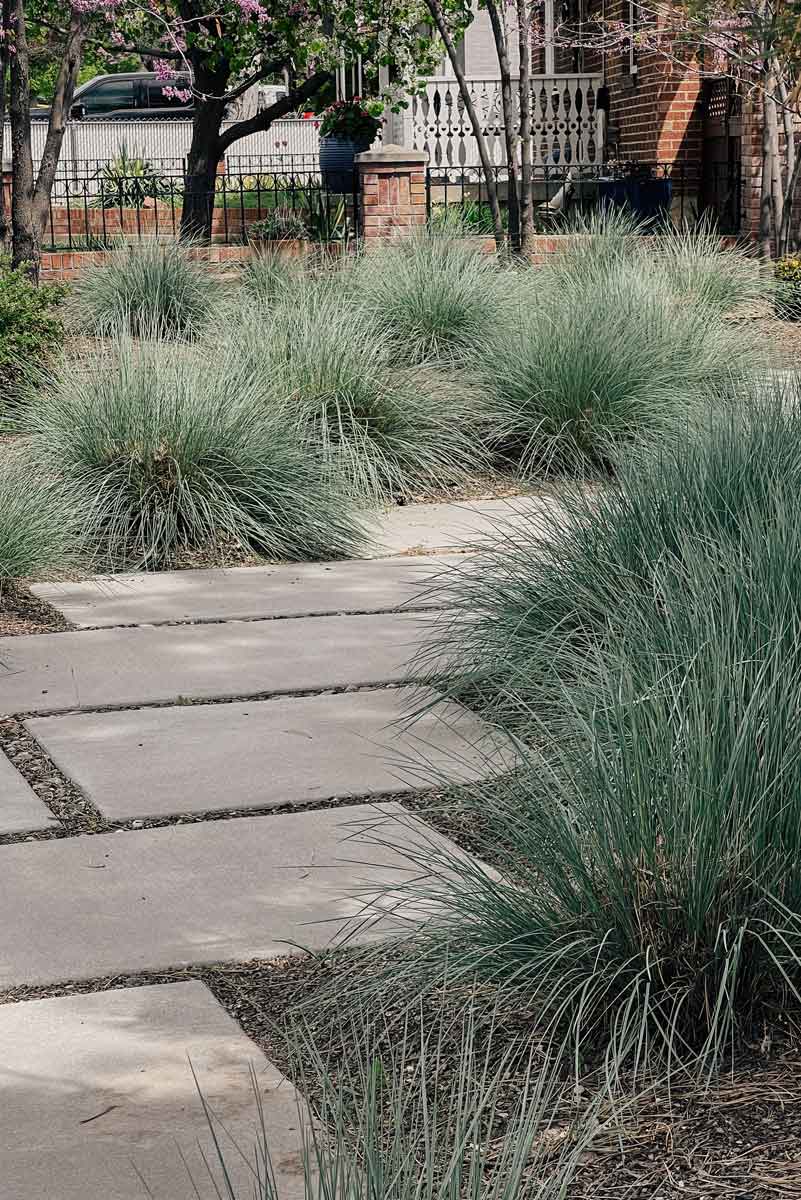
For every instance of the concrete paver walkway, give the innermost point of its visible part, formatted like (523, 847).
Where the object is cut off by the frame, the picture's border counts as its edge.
(20, 807)
(242, 593)
(153, 664)
(151, 762)
(153, 899)
(87, 1082)
(92, 1086)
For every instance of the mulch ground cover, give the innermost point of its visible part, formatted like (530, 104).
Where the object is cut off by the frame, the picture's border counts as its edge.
(737, 1139)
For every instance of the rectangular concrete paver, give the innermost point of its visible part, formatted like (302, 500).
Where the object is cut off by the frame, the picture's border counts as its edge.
(92, 1084)
(20, 807)
(150, 899)
(146, 762)
(283, 590)
(141, 666)
(428, 527)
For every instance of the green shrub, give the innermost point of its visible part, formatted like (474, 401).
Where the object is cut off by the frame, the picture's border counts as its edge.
(465, 218)
(588, 368)
(30, 327)
(436, 296)
(386, 429)
(129, 180)
(39, 531)
(176, 453)
(649, 892)
(280, 224)
(146, 288)
(787, 273)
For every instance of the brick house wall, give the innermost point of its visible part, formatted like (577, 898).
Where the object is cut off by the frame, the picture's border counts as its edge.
(655, 113)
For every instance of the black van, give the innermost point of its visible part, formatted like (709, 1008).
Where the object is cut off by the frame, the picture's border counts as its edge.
(132, 96)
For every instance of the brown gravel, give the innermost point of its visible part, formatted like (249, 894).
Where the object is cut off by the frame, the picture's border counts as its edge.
(784, 337)
(23, 613)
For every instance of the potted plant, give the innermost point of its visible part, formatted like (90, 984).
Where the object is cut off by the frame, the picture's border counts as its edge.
(787, 297)
(283, 231)
(348, 127)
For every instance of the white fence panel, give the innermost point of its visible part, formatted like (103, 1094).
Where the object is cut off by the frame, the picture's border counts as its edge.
(565, 121)
(102, 141)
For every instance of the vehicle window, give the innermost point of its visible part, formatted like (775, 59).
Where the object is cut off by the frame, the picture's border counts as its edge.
(157, 99)
(108, 96)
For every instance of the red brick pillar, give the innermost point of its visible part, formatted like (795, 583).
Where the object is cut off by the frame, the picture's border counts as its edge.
(392, 192)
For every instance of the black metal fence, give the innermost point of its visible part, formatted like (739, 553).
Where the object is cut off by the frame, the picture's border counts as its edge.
(94, 204)
(652, 191)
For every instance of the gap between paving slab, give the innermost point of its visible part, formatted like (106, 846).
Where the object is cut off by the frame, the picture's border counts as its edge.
(93, 1083)
(156, 762)
(106, 668)
(251, 593)
(21, 809)
(222, 891)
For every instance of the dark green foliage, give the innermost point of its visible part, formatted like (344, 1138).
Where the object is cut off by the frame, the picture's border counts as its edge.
(30, 325)
(39, 523)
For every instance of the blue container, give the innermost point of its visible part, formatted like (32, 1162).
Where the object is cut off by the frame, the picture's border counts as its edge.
(336, 162)
(646, 198)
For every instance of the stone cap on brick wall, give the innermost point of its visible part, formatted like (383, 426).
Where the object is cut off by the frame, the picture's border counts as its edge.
(392, 156)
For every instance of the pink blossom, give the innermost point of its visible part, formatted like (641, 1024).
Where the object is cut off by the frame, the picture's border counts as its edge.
(253, 8)
(182, 94)
(95, 6)
(163, 70)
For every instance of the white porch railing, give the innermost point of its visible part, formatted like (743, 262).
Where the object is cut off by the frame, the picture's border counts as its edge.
(566, 125)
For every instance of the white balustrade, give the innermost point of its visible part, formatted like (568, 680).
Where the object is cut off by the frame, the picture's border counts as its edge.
(565, 121)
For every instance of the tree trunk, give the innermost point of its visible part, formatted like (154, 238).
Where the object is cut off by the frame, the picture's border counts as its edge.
(478, 133)
(792, 166)
(59, 115)
(209, 143)
(26, 246)
(777, 189)
(497, 21)
(769, 166)
(524, 87)
(201, 170)
(5, 26)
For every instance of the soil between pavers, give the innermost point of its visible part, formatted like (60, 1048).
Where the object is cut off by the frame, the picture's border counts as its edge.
(152, 899)
(93, 1085)
(153, 762)
(156, 664)
(20, 807)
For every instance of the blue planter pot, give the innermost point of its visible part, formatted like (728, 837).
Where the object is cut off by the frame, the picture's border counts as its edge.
(336, 162)
(647, 198)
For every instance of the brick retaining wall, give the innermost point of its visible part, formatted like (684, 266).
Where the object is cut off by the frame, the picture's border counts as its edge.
(58, 266)
(63, 266)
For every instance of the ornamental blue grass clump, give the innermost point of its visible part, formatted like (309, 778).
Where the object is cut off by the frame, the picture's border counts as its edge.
(149, 289)
(648, 653)
(175, 454)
